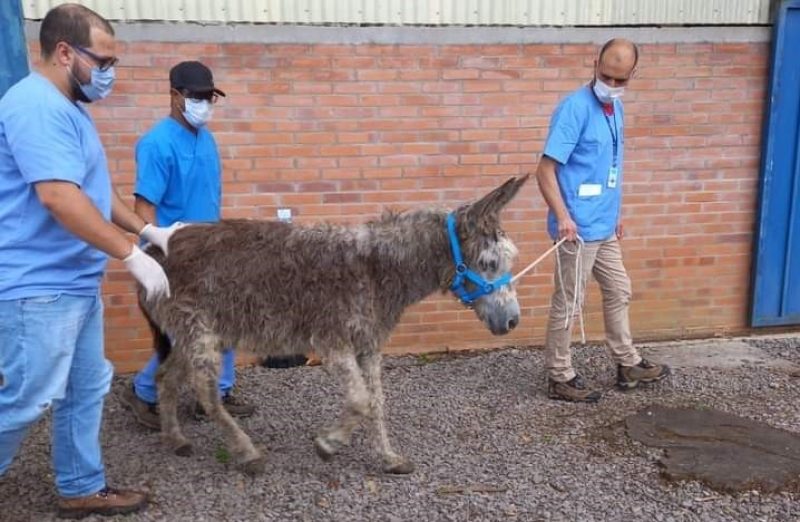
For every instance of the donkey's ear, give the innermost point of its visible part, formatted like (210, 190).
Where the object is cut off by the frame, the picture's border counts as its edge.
(492, 203)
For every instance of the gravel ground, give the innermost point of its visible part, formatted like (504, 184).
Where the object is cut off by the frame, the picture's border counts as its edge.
(487, 442)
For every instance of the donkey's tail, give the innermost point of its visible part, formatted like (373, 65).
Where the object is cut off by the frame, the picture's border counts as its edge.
(161, 342)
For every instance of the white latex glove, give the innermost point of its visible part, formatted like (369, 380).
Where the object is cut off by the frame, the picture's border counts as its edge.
(148, 272)
(159, 236)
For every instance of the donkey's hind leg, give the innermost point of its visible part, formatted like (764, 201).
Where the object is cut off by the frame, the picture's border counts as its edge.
(393, 463)
(168, 383)
(204, 365)
(356, 406)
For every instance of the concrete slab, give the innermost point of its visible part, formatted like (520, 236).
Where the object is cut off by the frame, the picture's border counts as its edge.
(714, 354)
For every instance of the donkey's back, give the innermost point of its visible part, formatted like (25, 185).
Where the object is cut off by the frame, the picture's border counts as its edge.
(268, 284)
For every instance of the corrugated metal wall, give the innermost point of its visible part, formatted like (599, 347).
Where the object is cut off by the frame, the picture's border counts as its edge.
(431, 12)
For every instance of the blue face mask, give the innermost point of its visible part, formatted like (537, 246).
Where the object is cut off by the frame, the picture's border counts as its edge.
(98, 87)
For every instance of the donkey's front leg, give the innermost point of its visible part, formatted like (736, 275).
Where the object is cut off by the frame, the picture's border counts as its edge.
(331, 440)
(393, 462)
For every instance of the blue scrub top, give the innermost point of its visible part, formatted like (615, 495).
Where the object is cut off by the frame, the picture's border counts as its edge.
(179, 172)
(581, 141)
(46, 137)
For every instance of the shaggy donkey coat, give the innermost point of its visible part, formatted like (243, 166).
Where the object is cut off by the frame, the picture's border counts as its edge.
(278, 288)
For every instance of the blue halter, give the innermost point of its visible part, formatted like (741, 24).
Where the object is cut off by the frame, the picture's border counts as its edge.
(483, 287)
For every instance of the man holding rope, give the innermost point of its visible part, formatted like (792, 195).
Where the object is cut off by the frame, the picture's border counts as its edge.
(580, 177)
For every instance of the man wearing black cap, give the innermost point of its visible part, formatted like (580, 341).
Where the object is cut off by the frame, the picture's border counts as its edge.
(178, 178)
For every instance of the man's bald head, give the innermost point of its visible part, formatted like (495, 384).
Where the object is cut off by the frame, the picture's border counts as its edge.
(619, 51)
(617, 60)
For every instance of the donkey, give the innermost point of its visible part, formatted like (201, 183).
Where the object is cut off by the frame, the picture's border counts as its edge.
(277, 288)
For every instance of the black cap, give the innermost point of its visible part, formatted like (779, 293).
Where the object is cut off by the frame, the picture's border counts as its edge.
(194, 77)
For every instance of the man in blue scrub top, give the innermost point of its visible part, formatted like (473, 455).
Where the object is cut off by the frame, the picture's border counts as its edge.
(178, 178)
(580, 176)
(57, 205)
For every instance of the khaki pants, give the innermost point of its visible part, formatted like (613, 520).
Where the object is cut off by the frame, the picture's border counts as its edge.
(603, 259)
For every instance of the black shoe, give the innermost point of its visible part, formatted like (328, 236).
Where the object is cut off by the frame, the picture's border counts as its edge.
(232, 403)
(289, 361)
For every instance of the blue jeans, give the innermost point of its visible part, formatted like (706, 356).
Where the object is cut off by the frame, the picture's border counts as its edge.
(51, 355)
(144, 384)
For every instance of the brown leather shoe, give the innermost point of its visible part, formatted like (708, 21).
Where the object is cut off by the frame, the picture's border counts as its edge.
(629, 377)
(145, 413)
(236, 406)
(574, 390)
(106, 502)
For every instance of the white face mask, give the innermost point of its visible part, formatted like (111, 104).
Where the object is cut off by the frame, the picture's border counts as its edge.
(606, 93)
(197, 112)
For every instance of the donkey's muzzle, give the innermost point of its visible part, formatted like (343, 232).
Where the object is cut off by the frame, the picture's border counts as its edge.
(504, 326)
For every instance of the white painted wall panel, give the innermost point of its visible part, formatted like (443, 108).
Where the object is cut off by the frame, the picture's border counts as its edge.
(430, 12)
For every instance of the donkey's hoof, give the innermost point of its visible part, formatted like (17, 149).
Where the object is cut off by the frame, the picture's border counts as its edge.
(404, 467)
(255, 466)
(325, 448)
(184, 450)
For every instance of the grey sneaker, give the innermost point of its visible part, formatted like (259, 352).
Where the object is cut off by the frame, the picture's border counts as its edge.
(146, 413)
(232, 403)
(574, 390)
(629, 377)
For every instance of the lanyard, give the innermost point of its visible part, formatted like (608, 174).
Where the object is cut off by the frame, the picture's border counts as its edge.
(614, 135)
(611, 128)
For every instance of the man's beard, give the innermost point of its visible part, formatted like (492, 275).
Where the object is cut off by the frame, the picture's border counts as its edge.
(77, 92)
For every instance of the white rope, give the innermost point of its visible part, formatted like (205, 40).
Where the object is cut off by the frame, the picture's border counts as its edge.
(538, 260)
(577, 298)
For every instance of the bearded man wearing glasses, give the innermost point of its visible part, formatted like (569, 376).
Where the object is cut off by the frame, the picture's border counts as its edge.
(179, 179)
(57, 206)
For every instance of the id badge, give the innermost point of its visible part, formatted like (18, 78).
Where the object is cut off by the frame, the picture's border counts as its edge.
(589, 190)
(613, 173)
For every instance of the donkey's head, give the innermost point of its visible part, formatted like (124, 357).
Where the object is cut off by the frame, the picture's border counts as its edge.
(488, 253)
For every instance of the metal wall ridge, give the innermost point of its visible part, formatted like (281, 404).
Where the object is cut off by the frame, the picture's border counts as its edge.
(430, 12)
(265, 34)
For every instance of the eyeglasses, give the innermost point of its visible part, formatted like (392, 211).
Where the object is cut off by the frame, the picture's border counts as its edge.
(104, 63)
(207, 96)
(613, 81)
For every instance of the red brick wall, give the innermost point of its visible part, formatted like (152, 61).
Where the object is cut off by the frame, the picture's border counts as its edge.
(341, 132)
